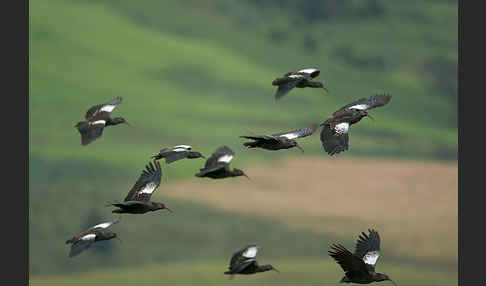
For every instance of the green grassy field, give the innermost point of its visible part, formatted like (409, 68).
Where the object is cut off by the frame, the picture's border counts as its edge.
(199, 73)
(293, 272)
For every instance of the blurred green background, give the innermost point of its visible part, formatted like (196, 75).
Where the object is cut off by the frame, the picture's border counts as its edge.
(199, 73)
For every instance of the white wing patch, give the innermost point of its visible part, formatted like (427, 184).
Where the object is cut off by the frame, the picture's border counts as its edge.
(99, 122)
(290, 135)
(88, 237)
(296, 76)
(149, 188)
(308, 71)
(359, 106)
(342, 128)
(180, 148)
(251, 252)
(106, 224)
(108, 108)
(371, 257)
(225, 158)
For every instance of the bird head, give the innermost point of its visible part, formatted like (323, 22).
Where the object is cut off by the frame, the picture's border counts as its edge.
(194, 155)
(238, 172)
(269, 267)
(111, 235)
(161, 206)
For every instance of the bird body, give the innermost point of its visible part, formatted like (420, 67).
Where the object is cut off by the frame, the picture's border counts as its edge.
(244, 262)
(360, 266)
(284, 140)
(334, 134)
(137, 200)
(97, 118)
(300, 79)
(217, 166)
(172, 154)
(85, 239)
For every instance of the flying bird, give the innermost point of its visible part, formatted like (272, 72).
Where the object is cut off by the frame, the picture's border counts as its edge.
(360, 266)
(217, 166)
(85, 239)
(300, 79)
(97, 118)
(138, 199)
(334, 134)
(178, 152)
(284, 140)
(244, 262)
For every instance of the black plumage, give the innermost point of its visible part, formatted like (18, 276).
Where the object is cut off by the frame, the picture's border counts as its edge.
(172, 154)
(300, 79)
(360, 266)
(244, 262)
(97, 118)
(217, 166)
(138, 199)
(334, 134)
(85, 239)
(284, 140)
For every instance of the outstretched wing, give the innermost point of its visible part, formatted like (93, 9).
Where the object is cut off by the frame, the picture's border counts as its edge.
(107, 107)
(335, 140)
(367, 103)
(90, 131)
(368, 247)
(105, 224)
(222, 156)
(351, 264)
(299, 133)
(260, 137)
(146, 184)
(82, 244)
(287, 83)
(312, 72)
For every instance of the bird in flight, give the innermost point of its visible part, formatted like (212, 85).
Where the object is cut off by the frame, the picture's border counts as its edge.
(138, 199)
(244, 262)
(300, 79)
(97, 118)
(217, 166)
(172, 154)
(85, 239)
(360, 266)
(284, 140)
(334, 134)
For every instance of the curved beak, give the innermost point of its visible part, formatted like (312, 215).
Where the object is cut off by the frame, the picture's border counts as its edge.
(126, 122)
(325, 88)
(369, 115)
(298, 146)
(246, 176)
(168, 209)
(275, 269)
(119, 239)
(393, 282)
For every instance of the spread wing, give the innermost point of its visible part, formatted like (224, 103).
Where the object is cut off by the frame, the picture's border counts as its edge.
(82, 244)
(333, 140)
(287, 83)
(352, 265)
(107, 107)
(299, 133)
(221, 157)
(260, 137)
(146, 184)
(368, 247)
(243, 258)
(367, 103)
(90, 131)
(105, 224)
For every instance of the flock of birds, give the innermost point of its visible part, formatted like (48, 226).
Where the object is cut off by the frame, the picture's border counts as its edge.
(359, 267)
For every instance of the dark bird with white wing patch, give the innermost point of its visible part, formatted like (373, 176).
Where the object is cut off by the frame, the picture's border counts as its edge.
(300, 79)
(217, 166)
(97, 118)
(284, 140)
(334, 134)
(244, 262)
(172, 154)
(85, 239)
(138, 199)
(360, 266)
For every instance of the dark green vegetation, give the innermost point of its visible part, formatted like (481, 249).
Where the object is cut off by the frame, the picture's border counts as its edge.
(199, 73)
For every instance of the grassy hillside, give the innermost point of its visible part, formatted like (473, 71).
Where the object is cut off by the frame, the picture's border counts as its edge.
(199, 73)
(293, 272)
